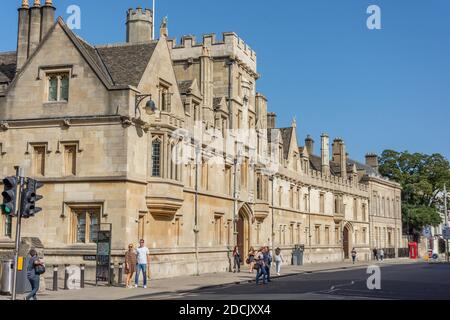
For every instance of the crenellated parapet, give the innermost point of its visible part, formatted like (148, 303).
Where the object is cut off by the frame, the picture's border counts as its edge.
(230, 46)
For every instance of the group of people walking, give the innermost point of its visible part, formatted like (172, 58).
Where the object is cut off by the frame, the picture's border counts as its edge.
(378, 254)
(260, 261)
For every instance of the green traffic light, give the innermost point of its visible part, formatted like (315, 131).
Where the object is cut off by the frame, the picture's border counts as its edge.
(5, 209)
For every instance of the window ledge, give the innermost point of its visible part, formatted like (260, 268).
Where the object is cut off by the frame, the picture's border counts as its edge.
(53, 103)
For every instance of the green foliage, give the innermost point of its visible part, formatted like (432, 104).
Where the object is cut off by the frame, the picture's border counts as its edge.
(420, 176)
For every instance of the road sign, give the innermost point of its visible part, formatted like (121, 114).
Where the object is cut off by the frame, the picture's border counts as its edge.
(446, 233)
(427, 232)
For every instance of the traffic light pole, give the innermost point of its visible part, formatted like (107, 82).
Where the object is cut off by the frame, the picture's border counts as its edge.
(19, 216)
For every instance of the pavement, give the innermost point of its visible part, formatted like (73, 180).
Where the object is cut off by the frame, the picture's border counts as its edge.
(179, 286)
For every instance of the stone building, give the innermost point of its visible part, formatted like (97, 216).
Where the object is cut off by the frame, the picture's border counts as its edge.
(198, 167)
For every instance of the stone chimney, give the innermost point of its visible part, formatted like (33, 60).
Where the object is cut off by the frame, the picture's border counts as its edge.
(340, 156)
(35, 27)
(48, 17)
(372, 161)
(271, 120)
(139, 25)
(309, 144)
(34, 24)
(325, 154)
(22, 35)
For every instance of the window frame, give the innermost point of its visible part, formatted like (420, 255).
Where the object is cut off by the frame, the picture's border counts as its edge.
(59, 74)
(88, 211)
(159, 142)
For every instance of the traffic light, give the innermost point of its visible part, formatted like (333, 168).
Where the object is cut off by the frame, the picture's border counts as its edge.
(9, 196)
(29, 199)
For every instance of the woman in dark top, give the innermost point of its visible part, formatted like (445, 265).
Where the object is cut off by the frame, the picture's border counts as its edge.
(237, 259)
(33, 277)
(251, 259)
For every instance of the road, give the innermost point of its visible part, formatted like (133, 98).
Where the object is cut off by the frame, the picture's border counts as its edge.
(398, 282)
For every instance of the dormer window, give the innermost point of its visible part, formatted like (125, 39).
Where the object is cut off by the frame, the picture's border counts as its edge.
(58, 87)
(165, 97)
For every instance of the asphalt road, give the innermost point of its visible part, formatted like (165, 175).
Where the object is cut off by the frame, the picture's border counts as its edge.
(398, 282)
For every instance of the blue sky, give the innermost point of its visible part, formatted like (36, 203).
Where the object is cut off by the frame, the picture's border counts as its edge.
(377, 89)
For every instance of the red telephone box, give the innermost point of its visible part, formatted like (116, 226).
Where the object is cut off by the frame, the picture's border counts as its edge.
(413, 250)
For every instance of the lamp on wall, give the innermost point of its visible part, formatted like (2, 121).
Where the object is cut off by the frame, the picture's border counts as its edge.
(150, 106)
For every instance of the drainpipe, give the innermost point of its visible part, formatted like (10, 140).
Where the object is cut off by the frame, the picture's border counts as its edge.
(309, 228)
(196, 227)
(235, 204)
(230, 91)
(272, 178)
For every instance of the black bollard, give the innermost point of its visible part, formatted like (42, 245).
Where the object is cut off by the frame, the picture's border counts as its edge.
(82, 268)
(66, 277)
(119, 281)
(111, 275)
(55, 277)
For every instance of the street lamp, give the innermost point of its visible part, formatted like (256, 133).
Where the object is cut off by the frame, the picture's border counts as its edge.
(150, 106)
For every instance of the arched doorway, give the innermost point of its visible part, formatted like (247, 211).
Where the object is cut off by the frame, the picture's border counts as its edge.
(347, 241)
(243, 231)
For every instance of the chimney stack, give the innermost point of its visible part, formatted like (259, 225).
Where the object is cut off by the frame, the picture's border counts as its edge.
(340, 156)
(325, 154)
(34, 24)
(22, 35)
(139, 25)
(372, 161)
(309, 144)
(271, 120)
(35, 27)
(48, 17)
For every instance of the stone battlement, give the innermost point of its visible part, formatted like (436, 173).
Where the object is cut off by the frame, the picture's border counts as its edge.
(140, 14)
(230, 45)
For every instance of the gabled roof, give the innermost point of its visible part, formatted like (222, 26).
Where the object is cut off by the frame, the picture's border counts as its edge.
(286, 136)
(7, 66)
(117, 66)
(126, 63)
(189, 87)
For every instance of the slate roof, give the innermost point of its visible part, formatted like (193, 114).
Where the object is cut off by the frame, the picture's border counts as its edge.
(126, 63)
(286, 135)
(360, 166)
(185, 86)
(7, 66)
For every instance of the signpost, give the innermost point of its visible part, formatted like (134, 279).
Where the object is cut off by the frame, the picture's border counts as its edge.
(103, 270)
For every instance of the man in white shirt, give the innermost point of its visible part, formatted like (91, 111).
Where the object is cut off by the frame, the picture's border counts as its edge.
(143, 261)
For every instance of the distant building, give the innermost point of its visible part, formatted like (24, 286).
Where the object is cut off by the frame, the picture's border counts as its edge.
(67, 113)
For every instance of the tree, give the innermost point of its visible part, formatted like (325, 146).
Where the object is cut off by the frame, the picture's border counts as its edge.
(421, 177)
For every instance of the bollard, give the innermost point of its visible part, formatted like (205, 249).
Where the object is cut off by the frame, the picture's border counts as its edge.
(82, 268)
(111, 275)
(119, 281)
(55, 277)
(66, 277)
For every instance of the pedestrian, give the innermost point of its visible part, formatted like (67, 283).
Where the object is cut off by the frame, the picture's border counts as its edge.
(382, 255)
(354, 253)
(279, 259)
(130, 264)
(260, 266)
(143, 262)
(237, 259)
(251, 259)
(375, 253)
(267, 261)
(35, 269)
